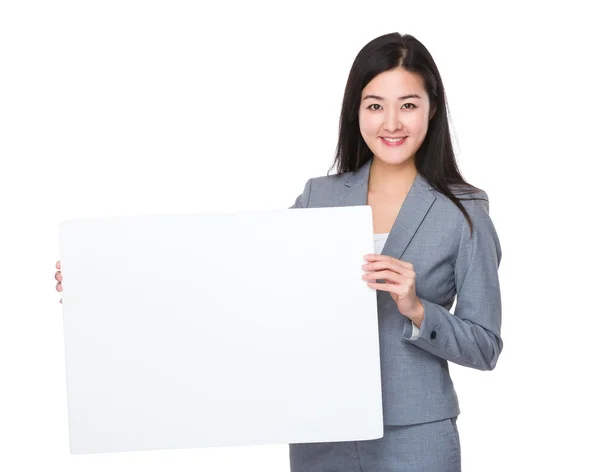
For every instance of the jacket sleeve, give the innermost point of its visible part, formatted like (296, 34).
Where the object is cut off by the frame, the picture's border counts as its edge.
(303, 199)
(471, 336)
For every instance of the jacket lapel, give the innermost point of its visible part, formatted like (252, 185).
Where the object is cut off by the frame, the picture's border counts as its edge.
(414, 208)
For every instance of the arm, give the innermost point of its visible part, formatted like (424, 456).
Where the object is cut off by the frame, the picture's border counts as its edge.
(470, 337)
(303, 199)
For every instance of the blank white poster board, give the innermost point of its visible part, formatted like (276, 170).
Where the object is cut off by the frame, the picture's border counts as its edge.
(220, 329)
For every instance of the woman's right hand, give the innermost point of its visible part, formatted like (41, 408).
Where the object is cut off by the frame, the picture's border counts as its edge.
(58, 276)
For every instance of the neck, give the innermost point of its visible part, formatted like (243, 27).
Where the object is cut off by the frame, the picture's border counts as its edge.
(391, 179)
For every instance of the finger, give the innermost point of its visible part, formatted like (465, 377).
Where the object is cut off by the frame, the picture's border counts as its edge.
(384, 274)
(59, 287)
(58, 264)
(58, 276)
(60, 300)
(408, 265)
(384, 287)
(380, 257)
(392, 265)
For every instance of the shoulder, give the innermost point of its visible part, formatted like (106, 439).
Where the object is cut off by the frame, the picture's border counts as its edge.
(475, 200)
(328, 181)
(319, 187)
(482, 232)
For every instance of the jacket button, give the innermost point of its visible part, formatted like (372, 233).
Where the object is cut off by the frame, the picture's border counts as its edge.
(433, 335)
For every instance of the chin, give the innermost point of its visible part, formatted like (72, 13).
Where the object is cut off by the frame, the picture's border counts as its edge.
(394, 158)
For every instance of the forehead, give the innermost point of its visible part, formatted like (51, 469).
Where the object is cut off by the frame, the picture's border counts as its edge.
(396, 81)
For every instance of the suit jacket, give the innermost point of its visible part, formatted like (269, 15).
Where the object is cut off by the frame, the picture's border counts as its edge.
(431, 233)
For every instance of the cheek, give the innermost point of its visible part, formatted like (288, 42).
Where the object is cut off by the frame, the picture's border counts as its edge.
(418, 124)
(369, 125)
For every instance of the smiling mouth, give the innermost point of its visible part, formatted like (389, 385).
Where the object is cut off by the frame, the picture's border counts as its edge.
(387, 138)
(394, 140)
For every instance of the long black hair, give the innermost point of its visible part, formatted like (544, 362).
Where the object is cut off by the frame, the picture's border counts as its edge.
(435, 159)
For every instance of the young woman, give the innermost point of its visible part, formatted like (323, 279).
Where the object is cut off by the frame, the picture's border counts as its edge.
(434, 241)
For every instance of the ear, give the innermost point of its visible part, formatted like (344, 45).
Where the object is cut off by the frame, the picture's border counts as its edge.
(432, 112)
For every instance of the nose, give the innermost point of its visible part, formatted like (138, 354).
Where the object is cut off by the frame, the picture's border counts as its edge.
(392, 120)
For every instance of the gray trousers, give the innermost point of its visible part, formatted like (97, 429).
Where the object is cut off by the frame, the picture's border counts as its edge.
(425, 447)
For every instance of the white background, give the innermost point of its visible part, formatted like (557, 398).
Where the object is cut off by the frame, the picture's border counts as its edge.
(128, 108)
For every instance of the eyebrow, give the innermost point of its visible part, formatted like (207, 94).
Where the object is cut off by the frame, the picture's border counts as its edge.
(403, 97)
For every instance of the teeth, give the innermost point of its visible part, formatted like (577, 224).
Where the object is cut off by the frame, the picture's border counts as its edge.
(393, 140)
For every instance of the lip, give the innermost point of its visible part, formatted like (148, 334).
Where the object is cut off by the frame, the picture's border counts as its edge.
(388, 144)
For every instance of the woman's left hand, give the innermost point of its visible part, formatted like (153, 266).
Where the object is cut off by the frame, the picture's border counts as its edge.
(399, 279)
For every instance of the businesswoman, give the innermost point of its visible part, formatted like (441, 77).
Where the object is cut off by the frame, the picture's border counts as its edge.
(434, 242)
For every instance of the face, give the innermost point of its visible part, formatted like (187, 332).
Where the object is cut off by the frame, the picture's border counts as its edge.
(394, 105)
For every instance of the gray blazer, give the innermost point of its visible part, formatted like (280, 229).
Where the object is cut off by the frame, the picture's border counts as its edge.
(431, 233)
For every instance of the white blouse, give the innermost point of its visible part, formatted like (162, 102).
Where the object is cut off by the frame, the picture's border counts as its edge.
(379, 240)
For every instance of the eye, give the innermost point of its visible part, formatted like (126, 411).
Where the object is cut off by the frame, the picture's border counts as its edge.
(373, 105)
(411, 104)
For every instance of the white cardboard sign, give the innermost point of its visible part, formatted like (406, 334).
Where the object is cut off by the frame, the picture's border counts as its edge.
(220, 329)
